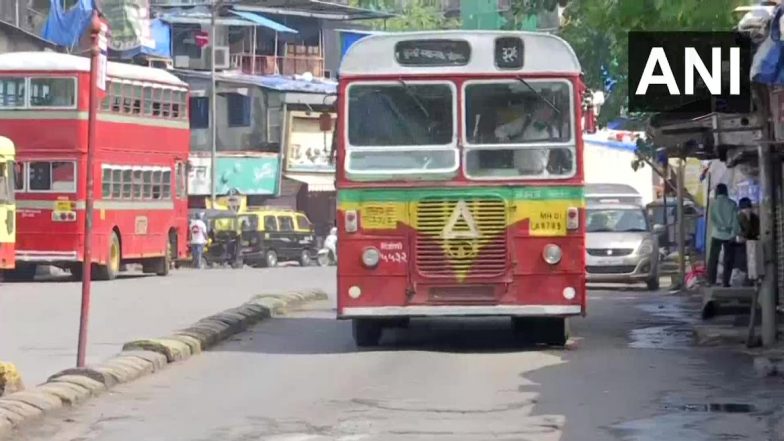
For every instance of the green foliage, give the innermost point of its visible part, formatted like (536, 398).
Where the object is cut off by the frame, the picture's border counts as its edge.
(417, 15)
(598, 29)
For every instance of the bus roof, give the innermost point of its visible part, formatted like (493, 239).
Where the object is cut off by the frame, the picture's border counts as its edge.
(57, 62)
(6, 146)
(375, 54)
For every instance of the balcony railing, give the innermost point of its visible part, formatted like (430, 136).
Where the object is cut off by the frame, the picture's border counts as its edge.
(272, 65)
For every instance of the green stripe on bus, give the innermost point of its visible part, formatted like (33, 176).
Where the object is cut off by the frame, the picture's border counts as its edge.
(414, 194)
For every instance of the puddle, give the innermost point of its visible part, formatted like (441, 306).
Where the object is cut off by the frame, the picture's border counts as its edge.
(714, 407)
(691, 426)
(662, 337)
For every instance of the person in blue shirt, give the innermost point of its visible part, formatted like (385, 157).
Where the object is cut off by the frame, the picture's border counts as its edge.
(724, 228)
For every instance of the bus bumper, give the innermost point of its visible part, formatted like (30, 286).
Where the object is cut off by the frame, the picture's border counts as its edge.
(52, 257)
(462, 311)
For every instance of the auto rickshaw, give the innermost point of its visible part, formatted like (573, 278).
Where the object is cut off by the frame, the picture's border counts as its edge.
(224, 239)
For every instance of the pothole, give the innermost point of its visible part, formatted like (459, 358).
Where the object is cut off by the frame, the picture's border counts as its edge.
(713, 407)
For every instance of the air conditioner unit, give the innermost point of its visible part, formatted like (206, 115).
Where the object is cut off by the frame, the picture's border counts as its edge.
(222, 57)
(182, 62)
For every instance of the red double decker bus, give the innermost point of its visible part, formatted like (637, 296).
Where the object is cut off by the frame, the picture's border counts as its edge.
(142, 144)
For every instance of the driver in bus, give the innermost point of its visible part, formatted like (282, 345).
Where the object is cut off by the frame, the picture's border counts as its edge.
(539, 124)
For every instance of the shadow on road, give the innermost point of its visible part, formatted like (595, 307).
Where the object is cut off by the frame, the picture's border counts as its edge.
(66, 278)
(309, 335)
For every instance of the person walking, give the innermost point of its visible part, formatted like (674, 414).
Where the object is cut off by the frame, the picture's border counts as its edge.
(198, 240)
(724, 228)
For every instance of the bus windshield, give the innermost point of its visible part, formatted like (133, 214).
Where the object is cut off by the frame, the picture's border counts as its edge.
(401, 126)
(519, 128)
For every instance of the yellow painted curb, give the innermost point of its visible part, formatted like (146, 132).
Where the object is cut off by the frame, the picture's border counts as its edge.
(10, 380)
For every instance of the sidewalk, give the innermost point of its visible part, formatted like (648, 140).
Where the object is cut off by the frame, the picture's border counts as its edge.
(39, 321)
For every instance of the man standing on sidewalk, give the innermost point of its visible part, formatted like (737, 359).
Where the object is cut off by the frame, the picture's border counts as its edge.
(198, 240)
(724, 228)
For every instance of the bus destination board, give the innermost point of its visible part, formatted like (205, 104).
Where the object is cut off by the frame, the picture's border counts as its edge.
(433, 53)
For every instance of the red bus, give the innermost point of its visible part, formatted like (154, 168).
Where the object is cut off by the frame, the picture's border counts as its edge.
(142, 145)
(460, 181)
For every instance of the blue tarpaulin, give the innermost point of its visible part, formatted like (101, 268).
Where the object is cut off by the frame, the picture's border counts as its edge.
(66, 28)
(264, 21)
(349, 37)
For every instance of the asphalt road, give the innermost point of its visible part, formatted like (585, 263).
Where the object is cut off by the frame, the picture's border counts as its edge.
(630, 373)
(39, 321)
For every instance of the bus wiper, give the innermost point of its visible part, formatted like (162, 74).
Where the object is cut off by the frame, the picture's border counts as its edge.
(539, 95)
(416, 99)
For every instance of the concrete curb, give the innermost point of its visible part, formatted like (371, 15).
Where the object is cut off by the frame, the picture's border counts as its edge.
(140, 358)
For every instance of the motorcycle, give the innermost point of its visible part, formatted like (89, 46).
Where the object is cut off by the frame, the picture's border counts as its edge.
(328, 255)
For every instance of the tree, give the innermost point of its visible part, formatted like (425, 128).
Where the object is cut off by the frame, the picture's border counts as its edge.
(416, 15)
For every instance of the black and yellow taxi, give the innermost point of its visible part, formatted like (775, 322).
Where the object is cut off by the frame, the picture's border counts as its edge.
(272, 235)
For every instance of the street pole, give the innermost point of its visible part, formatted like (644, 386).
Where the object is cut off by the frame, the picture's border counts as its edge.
(213, 97)
(97, 33)
(18, 14)
(681, 224)
(767, 294)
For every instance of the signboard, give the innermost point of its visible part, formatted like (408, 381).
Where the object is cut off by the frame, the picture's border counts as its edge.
(509, 52)
(100, 78)
(244, 175)
(130, 24)
(433, 53)
(308, 148)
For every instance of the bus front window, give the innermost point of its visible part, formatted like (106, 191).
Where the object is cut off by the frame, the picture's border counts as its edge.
(519, 128)
(404, 127)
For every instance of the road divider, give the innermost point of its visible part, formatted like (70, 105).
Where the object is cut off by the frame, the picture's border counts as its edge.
(137, 359)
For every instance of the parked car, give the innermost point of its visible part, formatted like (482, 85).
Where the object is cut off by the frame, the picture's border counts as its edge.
(621, 245)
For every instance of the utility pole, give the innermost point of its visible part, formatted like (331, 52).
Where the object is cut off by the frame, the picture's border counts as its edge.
(767, 294)
(213, 99)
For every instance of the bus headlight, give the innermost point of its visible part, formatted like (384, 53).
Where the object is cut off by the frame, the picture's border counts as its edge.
(370, 257)
(551, 254)
(646, 248)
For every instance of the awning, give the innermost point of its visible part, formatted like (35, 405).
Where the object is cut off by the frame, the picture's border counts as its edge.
(264, 21)
(316, 182)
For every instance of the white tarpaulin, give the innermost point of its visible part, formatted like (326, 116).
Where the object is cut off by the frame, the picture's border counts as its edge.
(608, 157)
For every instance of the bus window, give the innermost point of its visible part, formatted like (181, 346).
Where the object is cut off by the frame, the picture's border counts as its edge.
(412, 117)
(508, 114)
(12, 92)
(56, 176)
(19, 176)
(6, 192)
(53, 92)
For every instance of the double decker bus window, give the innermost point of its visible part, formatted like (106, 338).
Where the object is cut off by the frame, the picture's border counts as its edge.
(5, 181)
(53, 92)
(156, 184)
(147, 181)
(147, 101)
(136, 184)
(12, 92)
(156, 101)
(136, 105)
(106, 183)
(116, 183)
(126, 184)
(57, 176)
(19, 176)
(166, 103)
(519, 128)
(115, 90)
(175, 113)
(166, 193)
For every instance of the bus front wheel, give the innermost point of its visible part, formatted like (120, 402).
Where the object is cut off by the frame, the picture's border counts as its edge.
(366, 332)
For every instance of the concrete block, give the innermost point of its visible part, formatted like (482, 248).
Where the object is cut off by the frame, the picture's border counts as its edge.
(236, 322)
(157, 359)
(173, 350)
(95, 387)
(220, 329)
(10, 380)
(70, 394)
(18, 411)
(37, 398)
(89, 372)
(193, 343)
(125, 370)
(6, 426)
(143, 367)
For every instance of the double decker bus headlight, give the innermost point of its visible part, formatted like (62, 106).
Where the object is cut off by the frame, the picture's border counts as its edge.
(370, 257)
(552, 254)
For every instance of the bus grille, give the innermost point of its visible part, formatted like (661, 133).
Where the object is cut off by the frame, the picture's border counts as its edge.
(484, 254)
